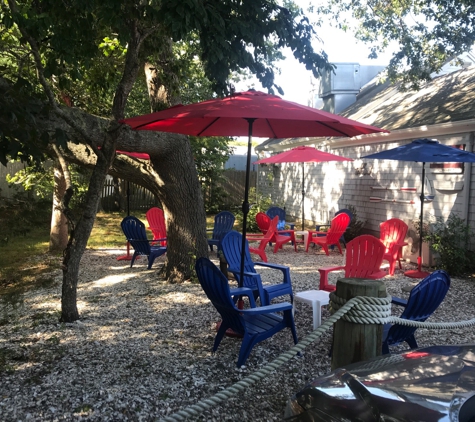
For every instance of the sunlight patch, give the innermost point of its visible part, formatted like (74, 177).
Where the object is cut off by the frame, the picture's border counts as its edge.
(111, 280)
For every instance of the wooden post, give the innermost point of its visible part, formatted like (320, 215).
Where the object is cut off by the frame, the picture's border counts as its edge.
(354, 342)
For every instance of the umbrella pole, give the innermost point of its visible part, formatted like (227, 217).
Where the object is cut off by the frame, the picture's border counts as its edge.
(419, 259)
(303, 196)
(419, 273)
(245, 204)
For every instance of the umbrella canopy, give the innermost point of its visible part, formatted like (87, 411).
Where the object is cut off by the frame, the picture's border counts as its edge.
(272, 117)
(302, 154)
(250, 113)
(424, 151)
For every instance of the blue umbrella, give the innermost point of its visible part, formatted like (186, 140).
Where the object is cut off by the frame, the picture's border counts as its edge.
(424, 151)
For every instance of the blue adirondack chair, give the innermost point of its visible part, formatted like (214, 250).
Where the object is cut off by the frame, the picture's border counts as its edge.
(273, 211)
(223, 223)
(255, 324)
(423, 300)
(231, 246)
(136, 235)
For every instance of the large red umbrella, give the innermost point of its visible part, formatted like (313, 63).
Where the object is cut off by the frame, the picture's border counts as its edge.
(302, 154)
(249, 113)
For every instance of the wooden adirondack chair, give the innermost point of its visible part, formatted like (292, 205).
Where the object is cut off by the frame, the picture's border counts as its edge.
(255, 324)
(423, 300)
(338, 226)
(263, 239)
(364, 255)
(231, 246)
(223, 223)
(136, 235)
(392, 234)
(280, 212)
(156, 223)
(280, 237)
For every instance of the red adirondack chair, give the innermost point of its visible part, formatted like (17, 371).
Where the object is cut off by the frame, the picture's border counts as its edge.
(263, 239)
(364, 255)
(156, 223)
(392, 234)
(280, 237)
(338, 226)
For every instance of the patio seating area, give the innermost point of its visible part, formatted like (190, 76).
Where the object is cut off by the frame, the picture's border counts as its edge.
(148, 343)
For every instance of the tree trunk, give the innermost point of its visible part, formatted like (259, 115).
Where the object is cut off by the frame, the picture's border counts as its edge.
(180, 194)
(81, 232)
(58, 239)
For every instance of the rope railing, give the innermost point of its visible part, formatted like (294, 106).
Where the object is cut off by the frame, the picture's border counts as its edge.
(360, 310)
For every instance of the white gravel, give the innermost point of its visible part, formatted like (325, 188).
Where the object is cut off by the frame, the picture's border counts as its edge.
(142, 349)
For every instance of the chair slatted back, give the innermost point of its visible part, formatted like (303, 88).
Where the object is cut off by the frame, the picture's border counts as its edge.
(223, 223)
(216, 287)
(423, 300)
(392, 233)
(136, 234)
(280, 212)
(156, 223)
(338, 226)
(364, 256)
(231, 245)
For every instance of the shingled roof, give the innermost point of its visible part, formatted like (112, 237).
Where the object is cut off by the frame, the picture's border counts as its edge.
(447, 98)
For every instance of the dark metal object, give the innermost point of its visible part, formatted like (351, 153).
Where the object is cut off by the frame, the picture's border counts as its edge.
(430, 384)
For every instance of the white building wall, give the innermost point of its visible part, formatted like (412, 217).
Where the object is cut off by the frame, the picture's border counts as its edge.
(335, 185)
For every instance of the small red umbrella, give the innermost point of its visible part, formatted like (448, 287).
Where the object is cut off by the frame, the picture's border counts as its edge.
(302, 154)
(250, 113)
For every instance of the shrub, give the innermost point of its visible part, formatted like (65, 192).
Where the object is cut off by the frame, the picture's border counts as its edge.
(356, 226)
(263, 203)
(451, 241)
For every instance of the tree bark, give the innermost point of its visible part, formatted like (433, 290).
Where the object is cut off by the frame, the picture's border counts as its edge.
(59, 224)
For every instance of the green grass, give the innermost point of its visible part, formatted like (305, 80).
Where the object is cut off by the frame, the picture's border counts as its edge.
(25, 260)
(107, 233)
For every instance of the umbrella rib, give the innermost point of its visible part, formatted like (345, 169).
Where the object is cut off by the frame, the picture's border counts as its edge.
(207, 126)
(333, 128)
(272, 130)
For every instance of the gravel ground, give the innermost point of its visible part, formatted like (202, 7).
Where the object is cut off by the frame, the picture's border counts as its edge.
(142, 349)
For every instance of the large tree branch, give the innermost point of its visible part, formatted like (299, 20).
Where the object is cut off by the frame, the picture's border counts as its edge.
(46, 86)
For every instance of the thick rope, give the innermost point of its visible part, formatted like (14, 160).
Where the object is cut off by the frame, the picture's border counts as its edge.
(374, 310)
(354, 310)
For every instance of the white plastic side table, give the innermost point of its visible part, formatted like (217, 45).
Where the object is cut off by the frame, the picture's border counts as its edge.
(303, 233)
(316, 298)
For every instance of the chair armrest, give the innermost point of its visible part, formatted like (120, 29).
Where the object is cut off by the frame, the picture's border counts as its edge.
(244, 291)
(285, 270)
(158, 240)
(277, 307)
(246, 273)
(312, 232)
(398, 301)
(270, 265)
(329, 269)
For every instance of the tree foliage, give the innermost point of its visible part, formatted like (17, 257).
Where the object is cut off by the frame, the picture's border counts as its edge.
(429, 33)
(86, 57)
